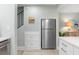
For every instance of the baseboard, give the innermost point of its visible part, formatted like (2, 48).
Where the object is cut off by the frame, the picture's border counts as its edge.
(24, 48)
(21, 48)
(57, 48)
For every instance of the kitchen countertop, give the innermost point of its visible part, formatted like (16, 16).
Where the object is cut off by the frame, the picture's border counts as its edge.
(71, 40)
(4, 38)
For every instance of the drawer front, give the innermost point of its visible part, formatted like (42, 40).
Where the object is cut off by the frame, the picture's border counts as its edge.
(65, 52)
(4, 42)
(65, 47)
(61, 51)
(76, 51)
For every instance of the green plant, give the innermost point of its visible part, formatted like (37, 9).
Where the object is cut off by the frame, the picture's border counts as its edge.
(61, 33)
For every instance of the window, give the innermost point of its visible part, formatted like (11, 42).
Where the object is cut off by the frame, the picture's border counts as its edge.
(20, 19)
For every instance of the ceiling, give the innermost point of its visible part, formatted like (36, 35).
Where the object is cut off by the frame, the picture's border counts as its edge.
(22, 5)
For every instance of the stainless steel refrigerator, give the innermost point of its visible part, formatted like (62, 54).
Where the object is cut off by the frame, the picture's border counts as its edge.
(48, 33)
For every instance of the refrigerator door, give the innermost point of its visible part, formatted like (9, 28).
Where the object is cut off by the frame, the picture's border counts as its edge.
(48, 39)
(48, 24)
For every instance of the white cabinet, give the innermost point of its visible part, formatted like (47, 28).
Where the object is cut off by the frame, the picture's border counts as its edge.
(65, 48)
(68, 48)
(76, 51)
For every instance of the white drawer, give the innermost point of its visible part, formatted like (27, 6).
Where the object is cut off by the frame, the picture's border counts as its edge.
(65, 47)
(62, 52)
(65, 52)
(76, 51)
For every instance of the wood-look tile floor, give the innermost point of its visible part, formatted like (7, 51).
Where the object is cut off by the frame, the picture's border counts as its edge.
(37, 52)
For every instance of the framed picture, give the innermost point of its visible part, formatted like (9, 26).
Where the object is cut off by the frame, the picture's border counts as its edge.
(31, 20)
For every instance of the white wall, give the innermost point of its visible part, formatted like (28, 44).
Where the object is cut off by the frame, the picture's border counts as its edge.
(20, 38)
(8, 23)
(20, 35)
(39, 12)
(69, 8)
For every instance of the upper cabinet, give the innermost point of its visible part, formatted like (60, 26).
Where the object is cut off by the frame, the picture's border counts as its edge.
(68, 46)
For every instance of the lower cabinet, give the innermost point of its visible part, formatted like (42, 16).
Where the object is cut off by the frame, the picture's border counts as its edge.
(76, 51)
(67, 49)
(61, 52)
(5, 47)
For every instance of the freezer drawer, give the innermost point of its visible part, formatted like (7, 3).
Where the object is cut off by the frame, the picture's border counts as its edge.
(48, 39)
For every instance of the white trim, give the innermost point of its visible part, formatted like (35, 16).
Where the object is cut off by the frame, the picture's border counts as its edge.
(24, 48)
(57, 30)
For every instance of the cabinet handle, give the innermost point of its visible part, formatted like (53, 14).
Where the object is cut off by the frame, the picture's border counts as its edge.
(3, 46)
(64, 44)
(63, 50)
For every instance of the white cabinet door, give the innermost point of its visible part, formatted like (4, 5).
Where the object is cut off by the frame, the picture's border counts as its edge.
(76, 51)
(61, 52)
(65, 48)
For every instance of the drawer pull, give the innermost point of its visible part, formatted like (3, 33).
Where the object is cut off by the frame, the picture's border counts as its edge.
(64, 44)
(3, 46)
(63, 50)
(3, 43)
